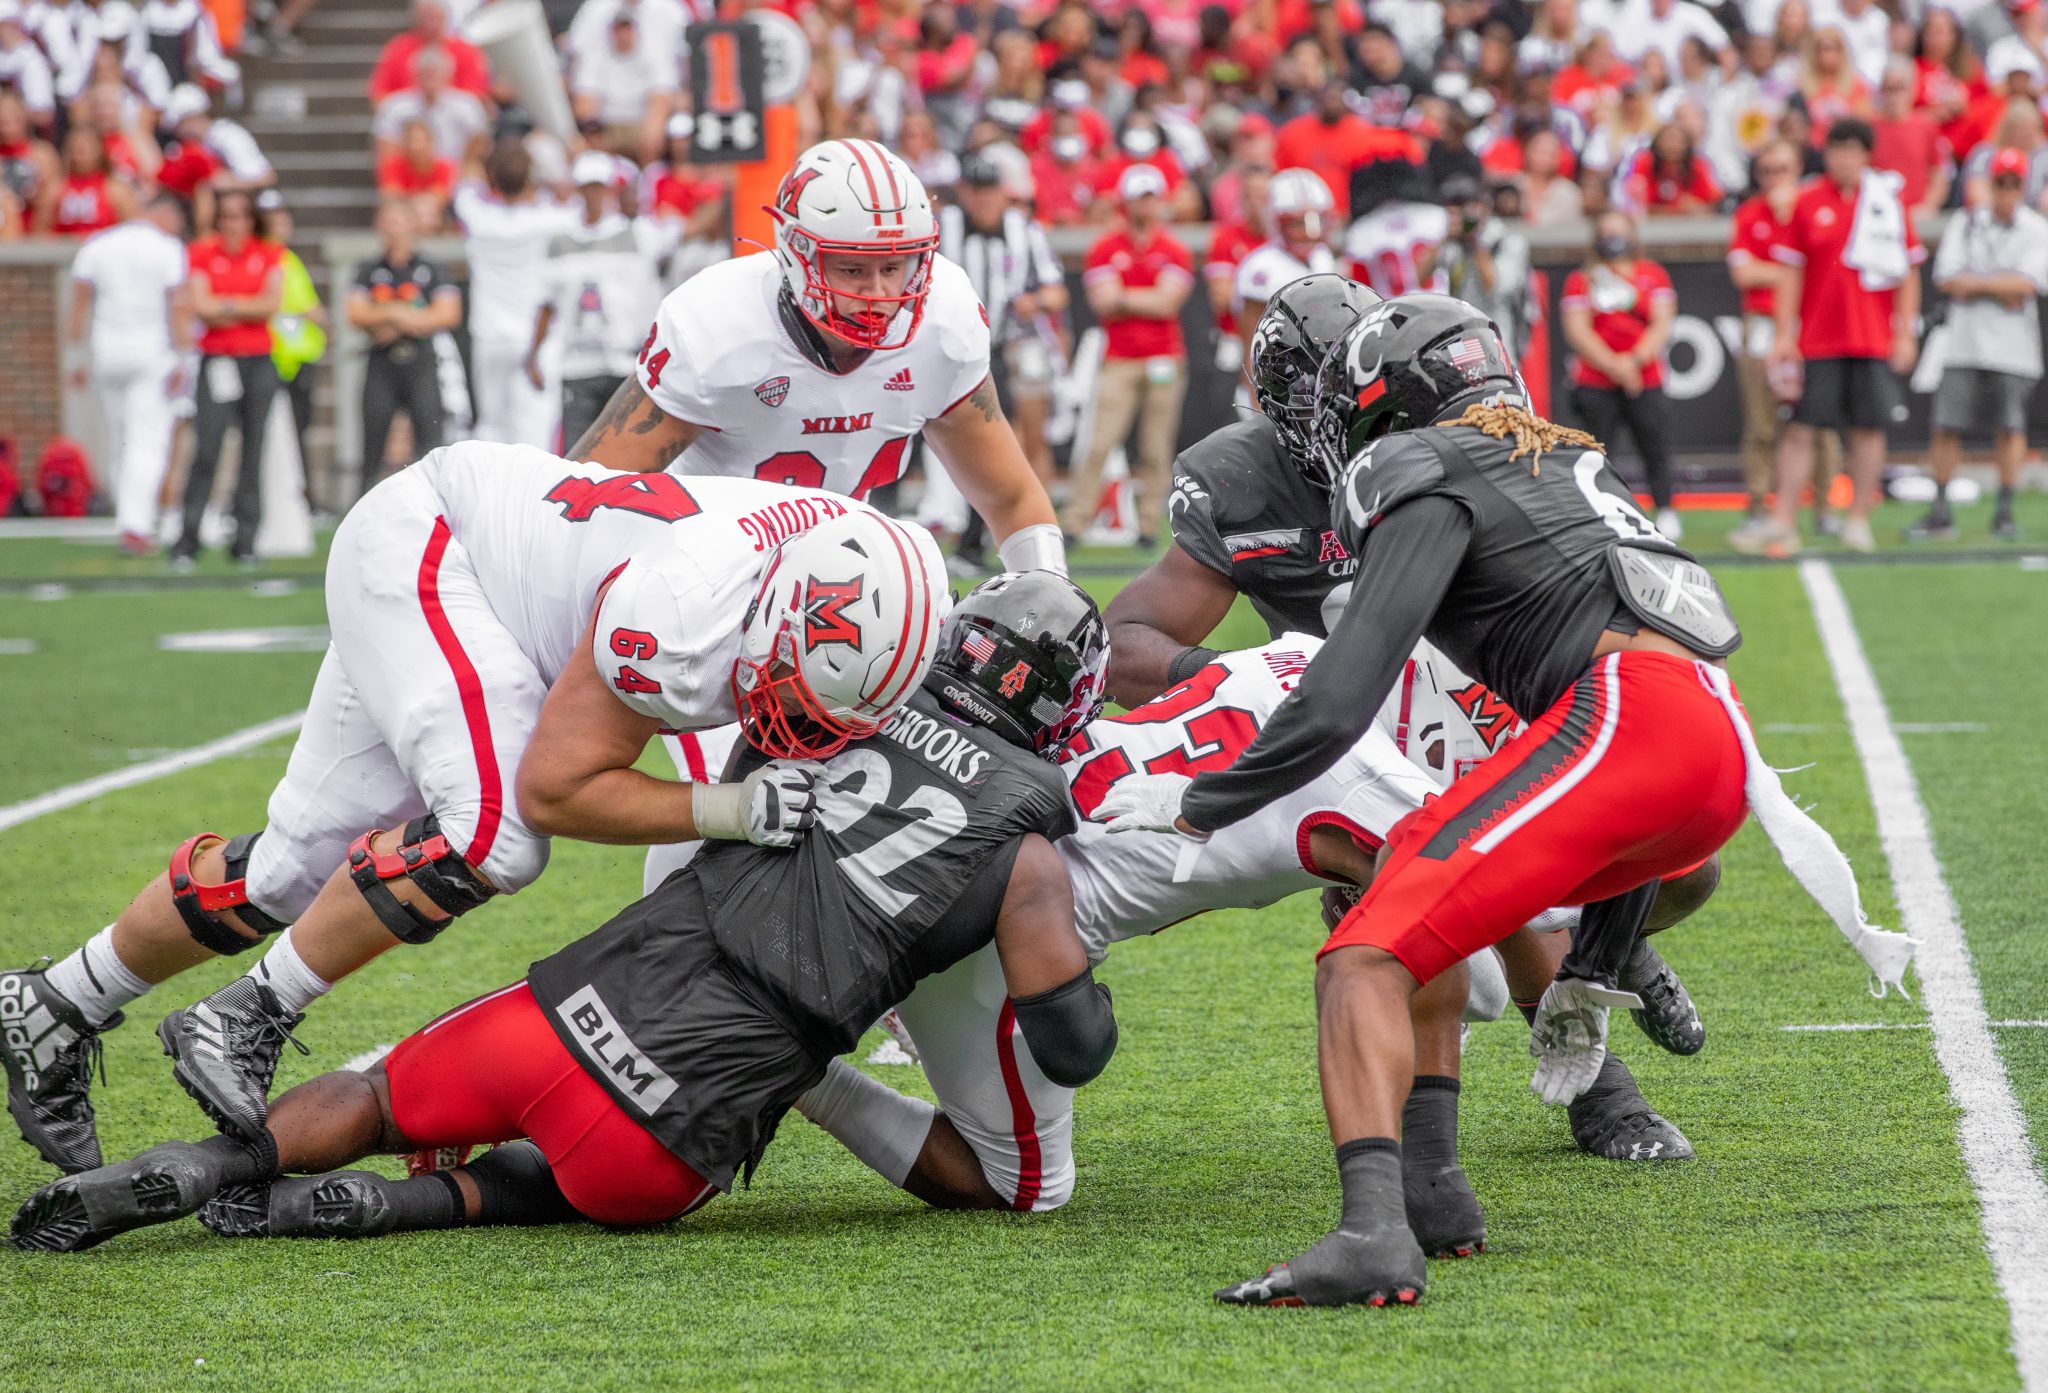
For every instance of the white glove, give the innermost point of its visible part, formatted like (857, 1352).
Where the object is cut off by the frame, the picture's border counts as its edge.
(1144, 803)
(773, 806)
(1569, 1037)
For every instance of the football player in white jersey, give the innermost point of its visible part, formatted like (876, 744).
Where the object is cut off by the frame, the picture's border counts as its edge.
(1297, 204)
(816, 365)
(1002, 1134)
(1395, 230)
(509, 631)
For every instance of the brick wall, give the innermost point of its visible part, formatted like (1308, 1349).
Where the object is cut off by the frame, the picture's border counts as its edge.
(31, 365)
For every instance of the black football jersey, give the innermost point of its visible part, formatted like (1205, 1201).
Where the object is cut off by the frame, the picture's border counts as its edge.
(710, 1005)
(1241, 508)
(1535, 588)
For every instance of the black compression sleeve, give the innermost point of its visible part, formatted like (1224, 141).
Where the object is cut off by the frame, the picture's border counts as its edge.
(1187, 663)
(1409, 561)
(1070, 1030)
(1606, 934)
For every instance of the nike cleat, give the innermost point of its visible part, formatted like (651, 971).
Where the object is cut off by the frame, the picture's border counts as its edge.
(1443, 1213)
(1379, 1267)
(1667, 1014)
(82, 1211)
(1613, 1120)
(51, 1054)
(343, 1204)
(224, 1052)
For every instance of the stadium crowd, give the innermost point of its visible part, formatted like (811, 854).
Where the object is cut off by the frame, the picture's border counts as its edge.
(1435, 132)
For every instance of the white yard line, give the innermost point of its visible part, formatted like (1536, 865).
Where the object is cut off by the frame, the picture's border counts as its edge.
(73, 794)
(368, 1058)
(1993, 1130)
(1911, 1025)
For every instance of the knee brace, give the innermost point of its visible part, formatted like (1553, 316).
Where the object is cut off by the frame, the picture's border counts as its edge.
(425, 858)
(200, 905)
(515, 1185)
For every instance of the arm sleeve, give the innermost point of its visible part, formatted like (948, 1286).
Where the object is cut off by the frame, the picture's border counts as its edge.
(1414, 552)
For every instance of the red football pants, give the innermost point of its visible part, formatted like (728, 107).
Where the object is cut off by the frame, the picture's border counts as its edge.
(494, 1070)
(1635, 773)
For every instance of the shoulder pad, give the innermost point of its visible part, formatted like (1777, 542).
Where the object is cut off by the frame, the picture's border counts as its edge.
(1381, 477)
(663, 644)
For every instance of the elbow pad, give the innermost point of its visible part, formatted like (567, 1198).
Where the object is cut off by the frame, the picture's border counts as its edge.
(1070, 1030)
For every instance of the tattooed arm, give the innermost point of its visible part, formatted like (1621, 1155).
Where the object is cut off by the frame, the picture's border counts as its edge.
(633, 434)
(975, 443)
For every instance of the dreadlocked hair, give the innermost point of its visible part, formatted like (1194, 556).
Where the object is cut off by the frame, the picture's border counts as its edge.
(1531, 432)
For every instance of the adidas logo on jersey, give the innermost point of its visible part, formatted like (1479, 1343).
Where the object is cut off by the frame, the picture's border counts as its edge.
(838, 425)
(900, 383)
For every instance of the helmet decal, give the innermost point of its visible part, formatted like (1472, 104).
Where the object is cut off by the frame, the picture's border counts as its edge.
(825, 616)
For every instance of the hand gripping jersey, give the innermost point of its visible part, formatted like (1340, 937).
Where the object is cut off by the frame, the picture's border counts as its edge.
(1242, 509)
(1124, 884)
(707, 1008)
(720, 356)
(683, 557)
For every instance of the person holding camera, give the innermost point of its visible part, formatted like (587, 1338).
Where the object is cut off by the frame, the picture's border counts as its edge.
(1993, 266)
(1485, 262)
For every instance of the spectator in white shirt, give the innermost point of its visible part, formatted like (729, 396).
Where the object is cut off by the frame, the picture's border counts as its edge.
(505, 239)
(627, 86)
(456, 118)
(23, 67)
(120, 56)
(2025, 50)
(128, 285)
(1664, 25)
(189, 116)
(51, 28)
(1868, 30)
(182, 36)
(658, 24)
(1993, 266)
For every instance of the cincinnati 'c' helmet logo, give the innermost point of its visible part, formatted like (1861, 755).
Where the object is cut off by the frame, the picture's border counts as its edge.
(825, 616)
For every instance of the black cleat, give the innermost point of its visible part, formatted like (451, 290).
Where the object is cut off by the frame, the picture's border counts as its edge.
(343, 1204)
(1381, 1268)
(224, 1053)
(1612, 1119)
(82, 1211)
(1667, 1014)
(1443, 1213)
(51, 1053)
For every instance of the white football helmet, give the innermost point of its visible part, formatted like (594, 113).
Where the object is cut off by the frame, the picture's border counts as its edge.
(839, 634)
(855, 197)
(1296, 200)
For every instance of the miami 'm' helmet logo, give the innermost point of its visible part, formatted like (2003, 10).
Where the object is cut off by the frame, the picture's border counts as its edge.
(1489, 715)
(825, 616)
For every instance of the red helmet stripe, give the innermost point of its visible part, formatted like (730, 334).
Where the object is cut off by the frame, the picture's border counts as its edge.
(888, 169)
(874, 189)
(921, 589)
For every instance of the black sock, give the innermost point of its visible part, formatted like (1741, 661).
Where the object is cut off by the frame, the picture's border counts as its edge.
(237, 1163)
(430, 1201)
(1370, 1169)
(1429, 1123)
(1941, 494)
(1614, 1077)
(515, 1185)
(2005, 492)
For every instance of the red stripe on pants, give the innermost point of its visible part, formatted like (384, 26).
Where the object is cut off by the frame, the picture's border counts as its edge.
(1023, 1121)
(475, 714)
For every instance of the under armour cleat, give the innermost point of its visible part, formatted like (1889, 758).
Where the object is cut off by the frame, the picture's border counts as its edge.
(1667, 1014)
(1443, 1213)
(82, 1211)
(224, 1052)
(51, 1054)
(1382, 1268)
(1612, 1119)
(343, 1204)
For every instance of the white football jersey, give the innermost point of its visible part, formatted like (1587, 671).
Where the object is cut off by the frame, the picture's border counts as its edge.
(1269, 266)
(720, 357)
(1387, 246)
(544, 535)
(1124, 882)
(1444, 721)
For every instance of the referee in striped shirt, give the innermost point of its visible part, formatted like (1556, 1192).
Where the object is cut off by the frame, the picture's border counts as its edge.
(1011, 264)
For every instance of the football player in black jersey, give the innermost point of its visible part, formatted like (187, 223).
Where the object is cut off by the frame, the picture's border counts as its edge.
(1250, 511)
(647, 1064)
(1511, 544)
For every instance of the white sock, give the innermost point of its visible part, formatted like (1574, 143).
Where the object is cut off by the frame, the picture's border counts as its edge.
(286, 974)
(881, 1127)
(95, 980)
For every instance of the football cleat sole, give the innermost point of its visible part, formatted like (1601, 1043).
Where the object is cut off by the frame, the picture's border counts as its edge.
(1274, 1288)
(84, 1211)
(347, 1204)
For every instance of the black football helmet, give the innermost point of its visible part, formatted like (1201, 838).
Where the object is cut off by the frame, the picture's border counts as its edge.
(1302, 321)
(1023, 655)
(1408, 362)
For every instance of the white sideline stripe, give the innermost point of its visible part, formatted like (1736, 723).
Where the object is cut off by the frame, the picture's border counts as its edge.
(368, 1057)
(73, 794)
(1992, 1130)
(1914, 1025)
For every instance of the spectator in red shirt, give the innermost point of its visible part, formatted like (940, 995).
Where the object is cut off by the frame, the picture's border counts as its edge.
(1334, 141)
(1251, 149)
(1137, 278)
(1618, 309)
(1592, 85)
(1909, 143)
(1757, 226)
(1951, 78)
(415, 173)
(1143, 65)
(1067, 97)
(237, 282)
(1143, 143)
(1828, 81)
(90, 196)
(1064, 171)
(1671, 178)
(1228, 244)
(393, 73)
(1854, 342)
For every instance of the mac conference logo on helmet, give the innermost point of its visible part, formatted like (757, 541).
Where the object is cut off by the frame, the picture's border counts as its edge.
(825, 616)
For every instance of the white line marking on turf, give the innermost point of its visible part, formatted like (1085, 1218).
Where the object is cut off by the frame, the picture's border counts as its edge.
(369, 1057)
(1914, 1025)
(1993, 1131)
(73, 794)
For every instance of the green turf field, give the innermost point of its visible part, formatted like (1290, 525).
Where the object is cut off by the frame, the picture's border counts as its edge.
(1827, 1237)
